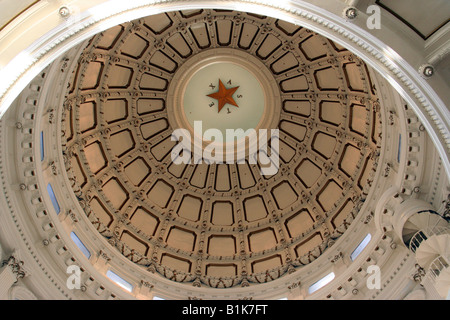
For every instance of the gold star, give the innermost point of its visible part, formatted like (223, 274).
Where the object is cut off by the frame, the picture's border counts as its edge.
(224, 95)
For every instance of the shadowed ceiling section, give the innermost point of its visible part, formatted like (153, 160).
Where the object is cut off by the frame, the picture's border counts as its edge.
(219, 223)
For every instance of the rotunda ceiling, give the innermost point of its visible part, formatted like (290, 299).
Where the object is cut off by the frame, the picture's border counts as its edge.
(223, 224)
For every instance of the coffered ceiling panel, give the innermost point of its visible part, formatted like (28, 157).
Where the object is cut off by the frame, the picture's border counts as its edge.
(219, 223)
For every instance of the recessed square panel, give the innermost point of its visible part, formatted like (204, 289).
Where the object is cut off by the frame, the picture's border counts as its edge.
(299, 223)
(308, 245)
(324, 144)
(329, 195)
(222, 213)
(95, 157)
(145, 221)
(161, 193)
(222, 245)
(182, 239)
(350, 159)
(115, 110)
(262, 240)
(121, 142)
(190, 208)
(116, 193)
(284, 195)
(87, 113)
(266, 264)
(308, 173)
(255, 208)
(134, 243)
(137, 171)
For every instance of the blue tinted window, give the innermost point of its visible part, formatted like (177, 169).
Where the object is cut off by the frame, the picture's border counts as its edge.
(80, 245)
(360, 247)
(41, 141)
(321, 283)
(119, 281)
(53, 198)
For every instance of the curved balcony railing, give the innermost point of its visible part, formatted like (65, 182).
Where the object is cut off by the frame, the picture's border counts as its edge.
(424, 234)
(436, 267)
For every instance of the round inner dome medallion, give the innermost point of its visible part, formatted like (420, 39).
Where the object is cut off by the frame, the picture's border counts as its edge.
(224, 95)
(223, 90)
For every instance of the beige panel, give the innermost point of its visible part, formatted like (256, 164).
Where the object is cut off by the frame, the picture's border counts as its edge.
(245, 175)
(295, 84)
(87, 116)
(223, 182)
(137, 171)
(145, 221)
(115, 110)
(224, 30)
(308, 173)
(365, 174)
(284, 195)
(115, 192)
(181, 239)
(286, 62)
(288, 28)
(200, 33)
(134, 243)
(95, 157)
(286, 152)
(163, 148)
(295, 130)
(158, 23)
(255, 208)
(222, 245)
(298, 107)
(190, 13)
(353, 77)
(175, 263)
(299, 223)
(80, 176)
(177, 170)
(358, 118)
(308, 245)
(198, 178)
(121, 142)
(178, 43)
(248, 34)
(119, 77)
(331, 112)
(109, 37)
(313, 48)
(324, 144)
(269, 46)
(149, 105)
(162, 61)
(262, 240)
(266, 264)
(92, 75)
(327, 79)
(221, 270)
(329, 195)
(103, 215)
(349, 160)
(134, 46)
(161, 193)
(152, 128)
(222, 213)
(190, 208)
(151, 82)
(343, 213)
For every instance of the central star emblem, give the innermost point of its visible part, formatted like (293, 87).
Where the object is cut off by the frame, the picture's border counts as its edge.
(224, 95)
